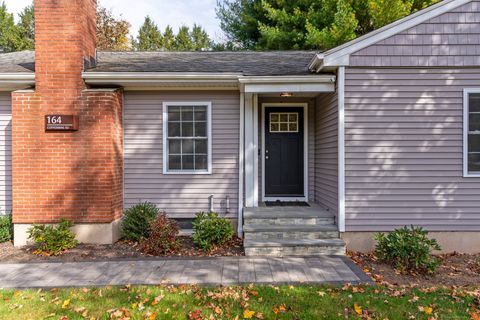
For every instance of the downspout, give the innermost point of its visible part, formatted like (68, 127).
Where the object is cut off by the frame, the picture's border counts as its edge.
(241, 161)
(341, 149)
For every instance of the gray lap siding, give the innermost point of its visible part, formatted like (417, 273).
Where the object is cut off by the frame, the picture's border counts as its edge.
(181, 196)
(403, 150)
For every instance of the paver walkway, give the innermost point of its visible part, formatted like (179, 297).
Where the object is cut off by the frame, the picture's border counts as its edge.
(206, 271)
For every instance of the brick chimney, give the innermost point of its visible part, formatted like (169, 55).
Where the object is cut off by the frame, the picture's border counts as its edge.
(75, 175)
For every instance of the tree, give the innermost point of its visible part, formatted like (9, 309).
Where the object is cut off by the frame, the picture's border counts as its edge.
(26, 28)
(149, 37)
(9, 35)
(200, 39)
(306, 24)
(168, 42)
(183, 41)
(112, 33)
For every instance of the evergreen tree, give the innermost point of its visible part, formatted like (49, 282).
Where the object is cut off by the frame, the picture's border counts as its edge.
(26, 28)
(201, 40)
(183, 41)
(149, 37)
(9, 35)
(168, 42)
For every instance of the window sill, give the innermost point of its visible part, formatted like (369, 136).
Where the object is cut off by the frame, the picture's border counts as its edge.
(187, 172)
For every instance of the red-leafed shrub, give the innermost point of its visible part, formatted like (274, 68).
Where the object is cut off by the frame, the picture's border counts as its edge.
(162, 237)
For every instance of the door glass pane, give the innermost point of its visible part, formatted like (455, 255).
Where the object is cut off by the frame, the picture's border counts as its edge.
(274, 127)
(284, 127)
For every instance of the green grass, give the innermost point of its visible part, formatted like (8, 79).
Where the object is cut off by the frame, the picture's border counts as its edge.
(263, 302)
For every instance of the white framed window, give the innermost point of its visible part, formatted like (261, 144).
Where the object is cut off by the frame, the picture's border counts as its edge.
(187, 137)
(471, 132)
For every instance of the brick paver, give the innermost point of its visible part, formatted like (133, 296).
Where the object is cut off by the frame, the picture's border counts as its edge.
(202, 271)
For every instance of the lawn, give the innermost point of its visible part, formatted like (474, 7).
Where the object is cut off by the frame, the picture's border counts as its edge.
(250, 302)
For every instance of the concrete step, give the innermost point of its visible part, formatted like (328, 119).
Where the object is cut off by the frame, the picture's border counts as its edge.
(298, 232)
(285, 212)
(304, 247)
(290, 221)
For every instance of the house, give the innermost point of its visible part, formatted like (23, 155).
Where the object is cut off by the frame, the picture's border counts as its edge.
(379, 133)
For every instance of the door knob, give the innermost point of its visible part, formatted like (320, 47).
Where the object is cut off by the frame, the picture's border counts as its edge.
(266, 157)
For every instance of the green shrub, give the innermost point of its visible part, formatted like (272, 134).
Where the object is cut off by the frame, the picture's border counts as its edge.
(6, 228)
(137, 219)
(209, 230)
(53, 240)
(408, 250)
(162, 237)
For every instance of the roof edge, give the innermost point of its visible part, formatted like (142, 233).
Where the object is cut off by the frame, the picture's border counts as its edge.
(340, 56)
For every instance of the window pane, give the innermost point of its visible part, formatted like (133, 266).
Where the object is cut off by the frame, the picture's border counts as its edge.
(187, 113)
(474, 124)
(187, 162)
(284, 117)
(173, 113)
(274, 127)
(187, 146)
(474, 102)
(274, 117)
(293, 127)
(174, 162)
(200, 129)
(474, 162)
(187, 129)
(283, 127)
(200, 113)
(473, 143)
(201, 162)
(201, 146)
(174, 129)
(292, 117)
(174, 147)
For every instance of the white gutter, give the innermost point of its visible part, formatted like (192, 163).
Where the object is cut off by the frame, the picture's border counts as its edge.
(288, 79)
(15, 81)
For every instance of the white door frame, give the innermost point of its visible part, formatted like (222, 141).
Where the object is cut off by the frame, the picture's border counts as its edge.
(305, 149)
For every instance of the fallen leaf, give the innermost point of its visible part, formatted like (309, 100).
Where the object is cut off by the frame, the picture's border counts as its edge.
(66, 303)
(248, 314)
(358, 309)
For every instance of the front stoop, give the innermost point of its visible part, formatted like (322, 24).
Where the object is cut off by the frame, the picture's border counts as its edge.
(291, 231)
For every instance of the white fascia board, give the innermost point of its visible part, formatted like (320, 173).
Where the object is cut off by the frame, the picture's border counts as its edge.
(339, 56)
(16, 81)
(287, 79)
(289, 87)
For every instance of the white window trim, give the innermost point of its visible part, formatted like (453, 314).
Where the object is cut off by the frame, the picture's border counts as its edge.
(167, 104)
(466, 93)
(305, 150)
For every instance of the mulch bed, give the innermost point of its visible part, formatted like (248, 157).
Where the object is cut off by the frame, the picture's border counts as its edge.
(455, 270)
(119, 250)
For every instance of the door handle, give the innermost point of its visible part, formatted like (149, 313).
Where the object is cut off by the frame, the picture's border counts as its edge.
(266, 157)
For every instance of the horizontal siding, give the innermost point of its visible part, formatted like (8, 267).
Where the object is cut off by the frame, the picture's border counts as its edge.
(181, 196)
(5, 153)
(451, 39)
(404, 150)
(326, 151)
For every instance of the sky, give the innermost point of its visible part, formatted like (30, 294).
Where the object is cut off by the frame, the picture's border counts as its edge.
(164, 12)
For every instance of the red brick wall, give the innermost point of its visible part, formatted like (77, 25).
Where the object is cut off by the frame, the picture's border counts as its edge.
(73, 175)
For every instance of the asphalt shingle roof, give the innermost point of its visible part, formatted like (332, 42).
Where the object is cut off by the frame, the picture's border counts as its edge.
(248, 63)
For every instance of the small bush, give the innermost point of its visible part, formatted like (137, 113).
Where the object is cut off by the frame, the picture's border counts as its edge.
(52, 240)
(137, 219)
(162, 237)
(6, 228)
(209, 230)
(408, 250)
